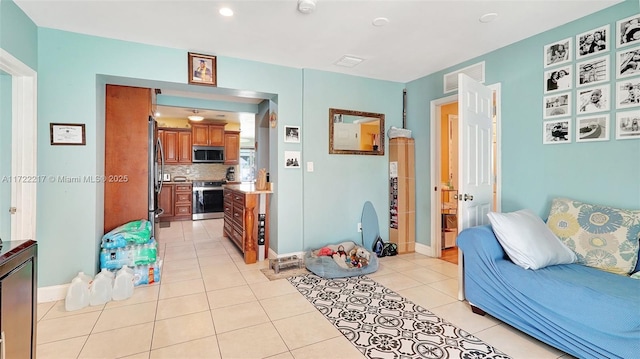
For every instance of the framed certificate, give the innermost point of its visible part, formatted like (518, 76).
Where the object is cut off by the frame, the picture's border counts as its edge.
(67, 134)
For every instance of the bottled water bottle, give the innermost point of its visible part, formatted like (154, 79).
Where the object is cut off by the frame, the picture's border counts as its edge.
(77, 293)
(101, 288)
(123, 284)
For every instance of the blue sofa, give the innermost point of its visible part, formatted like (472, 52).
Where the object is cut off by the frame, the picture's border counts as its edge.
(583, 311)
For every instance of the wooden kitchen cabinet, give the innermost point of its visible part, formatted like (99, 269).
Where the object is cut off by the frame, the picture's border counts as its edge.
(242, 222)
(207, 134)
(176, 145)
(18, 298)
(183, 202)
(166, 201)
(231, 147)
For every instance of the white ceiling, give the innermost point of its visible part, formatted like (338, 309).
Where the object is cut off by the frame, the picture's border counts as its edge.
(422, 36)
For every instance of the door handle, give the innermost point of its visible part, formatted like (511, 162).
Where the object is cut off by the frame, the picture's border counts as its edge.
(468, 197)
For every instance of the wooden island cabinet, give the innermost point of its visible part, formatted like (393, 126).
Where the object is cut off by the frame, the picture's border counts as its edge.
(246, 219)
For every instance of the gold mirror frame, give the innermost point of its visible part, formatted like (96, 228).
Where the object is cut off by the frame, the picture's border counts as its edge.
(340, 116)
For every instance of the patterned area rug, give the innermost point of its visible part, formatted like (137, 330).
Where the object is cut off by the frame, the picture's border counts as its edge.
(383, 324)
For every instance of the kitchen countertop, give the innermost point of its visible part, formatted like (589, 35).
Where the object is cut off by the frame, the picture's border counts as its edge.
(179, 182)
(248, 188)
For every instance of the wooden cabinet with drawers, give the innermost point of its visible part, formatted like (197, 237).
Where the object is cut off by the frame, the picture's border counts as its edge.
(176, 201)
(242, 220)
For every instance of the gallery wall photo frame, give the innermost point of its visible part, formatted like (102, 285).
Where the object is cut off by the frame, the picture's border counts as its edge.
(292, 134)
(593, 41)
(592, 128)
(592, 71)
(628, 93)
(593, 99)
(557, 53)
(628, 125)
(202, 69)
(628, 31)
(67, 134)
(557, 105)
(628, 62)
(556, 131)
(558, 79)
(291, 159)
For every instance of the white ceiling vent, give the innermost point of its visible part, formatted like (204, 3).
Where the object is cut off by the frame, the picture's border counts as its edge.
(476, 72)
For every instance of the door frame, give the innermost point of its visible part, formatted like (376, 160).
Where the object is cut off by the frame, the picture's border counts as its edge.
(436, 156)
(24, 140)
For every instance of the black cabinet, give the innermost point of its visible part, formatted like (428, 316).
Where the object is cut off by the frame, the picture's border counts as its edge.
(18, 298)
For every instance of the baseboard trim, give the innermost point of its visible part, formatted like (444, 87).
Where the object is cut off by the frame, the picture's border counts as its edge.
(424, 249)
(52, 293)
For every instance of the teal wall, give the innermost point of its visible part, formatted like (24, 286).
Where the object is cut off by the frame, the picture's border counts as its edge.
(532, 173)
(5, 155)
(72, 71)
(18, 34)
(335, 192)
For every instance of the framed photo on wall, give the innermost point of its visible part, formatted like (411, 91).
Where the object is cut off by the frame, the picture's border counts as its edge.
(628, 31)
(592, 71)
(291, 159)
(559, 79)
(592, 42)
(628, 93)
(628, 62)
(202, 69)
(592, 128)
(628, 125)
(557, 105)
(593, 99)
(557, 53)
(292, 134)
(556, 131)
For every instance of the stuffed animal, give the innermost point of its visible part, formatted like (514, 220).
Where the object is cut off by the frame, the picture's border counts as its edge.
(359, 257)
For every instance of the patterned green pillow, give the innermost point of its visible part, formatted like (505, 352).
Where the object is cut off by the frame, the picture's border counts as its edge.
(602, 237)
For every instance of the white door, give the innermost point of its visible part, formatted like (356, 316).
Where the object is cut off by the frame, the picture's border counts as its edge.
(475, 113)
(23, 176)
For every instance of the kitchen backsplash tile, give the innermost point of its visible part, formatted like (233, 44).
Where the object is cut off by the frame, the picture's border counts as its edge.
(198, 171)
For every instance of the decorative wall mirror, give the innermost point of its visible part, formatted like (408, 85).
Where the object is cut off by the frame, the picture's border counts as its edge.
(356, 132)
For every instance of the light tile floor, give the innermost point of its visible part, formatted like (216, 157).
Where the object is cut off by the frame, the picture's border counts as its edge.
(209, 304)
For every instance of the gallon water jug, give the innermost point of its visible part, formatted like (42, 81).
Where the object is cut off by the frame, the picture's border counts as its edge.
(77, 295)
(123, 284)
(102, 288)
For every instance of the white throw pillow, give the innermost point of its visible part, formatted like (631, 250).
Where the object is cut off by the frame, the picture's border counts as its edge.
(528, 241)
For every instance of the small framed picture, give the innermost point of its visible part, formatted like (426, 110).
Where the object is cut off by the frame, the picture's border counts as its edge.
(592, 42)
(628, 31)
(291, 159)
(628, 93)
(557, 105)
(556, 131)
(559, 79)
(292, 134)
(593, 99)
(67, 134)
(628, 125)
(557, 53)
(202, 69)
(592, 128)
(592, 71)
(628, 62)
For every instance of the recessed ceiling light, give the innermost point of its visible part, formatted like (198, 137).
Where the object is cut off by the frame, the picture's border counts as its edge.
(348, 61)
(488, 17)
(380, 21)
(225, 11)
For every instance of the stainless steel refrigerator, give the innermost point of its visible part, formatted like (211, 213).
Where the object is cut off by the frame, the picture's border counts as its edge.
(156, 170)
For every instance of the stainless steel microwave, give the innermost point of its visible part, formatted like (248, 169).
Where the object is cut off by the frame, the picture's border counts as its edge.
(207, 154)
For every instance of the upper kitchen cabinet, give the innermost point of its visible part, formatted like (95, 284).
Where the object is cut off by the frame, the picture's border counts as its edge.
(176, 144)
(231, 147)
(207, 134)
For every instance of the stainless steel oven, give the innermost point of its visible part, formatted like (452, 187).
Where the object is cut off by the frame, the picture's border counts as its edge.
(208, 200)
